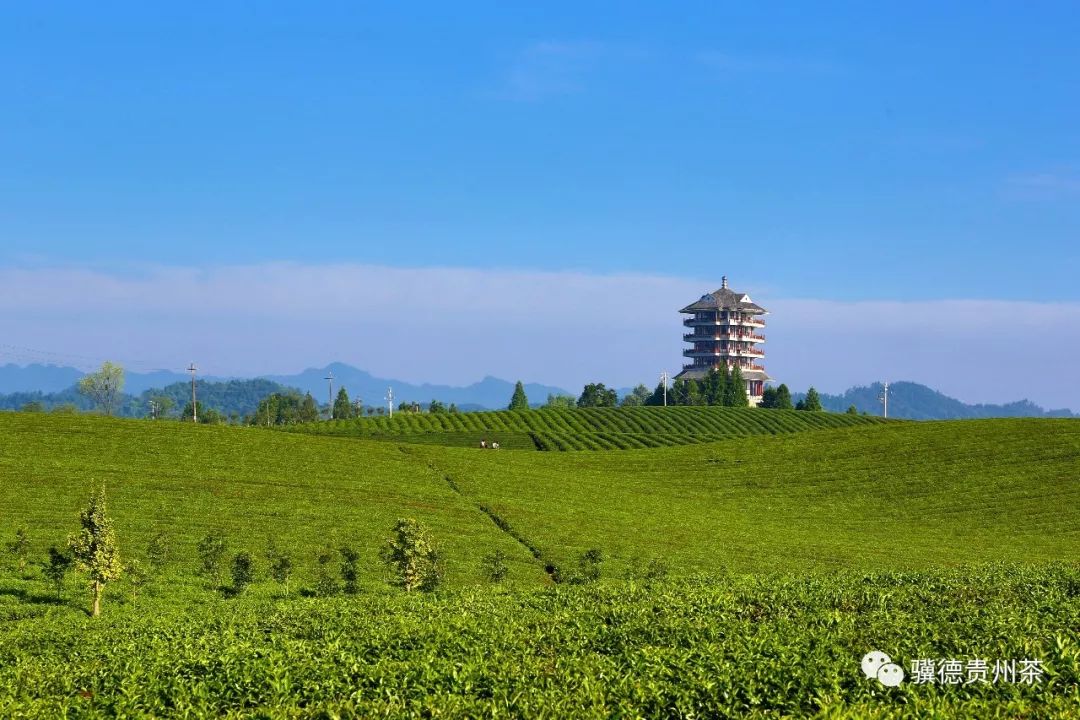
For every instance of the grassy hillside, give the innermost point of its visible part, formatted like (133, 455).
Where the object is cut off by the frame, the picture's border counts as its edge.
(858, 522)
(874, 495)
(586, 428)
(898, 495)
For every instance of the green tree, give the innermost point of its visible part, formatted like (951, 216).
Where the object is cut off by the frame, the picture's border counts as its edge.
(689, 392)
(243, 571)
(518, 401)
(597, 395)
(737, 389)
(435, 407)
(104, 387)
(852, 410)
(783, 398)
(656, 399)
(454, 409)
(343, 408)
(714, 386)
(211, 551)
(95, 549)
(309, 411)
(768, 398)
(636, 397)
(207, 415)
(34, 406)
(56, 569)
(19, 548)
(412, 554)
(811, 402)
(560, 401)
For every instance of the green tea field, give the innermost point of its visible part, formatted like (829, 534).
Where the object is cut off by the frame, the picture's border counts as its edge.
(739, 576)
(585, 428)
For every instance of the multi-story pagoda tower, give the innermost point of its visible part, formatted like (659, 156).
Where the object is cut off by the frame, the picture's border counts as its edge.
(726, 329)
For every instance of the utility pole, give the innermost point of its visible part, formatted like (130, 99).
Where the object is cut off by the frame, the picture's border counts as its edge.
(884, 398)
(390, 400)
(664, 380)
(194, 406)
(153, 410)
(359, 405)
(330, 380)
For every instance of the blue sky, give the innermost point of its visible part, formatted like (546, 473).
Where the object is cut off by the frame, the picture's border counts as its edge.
(849, 152)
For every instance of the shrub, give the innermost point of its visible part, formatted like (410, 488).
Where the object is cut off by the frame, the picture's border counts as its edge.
(281, 570)
(20, 549)
(494, 566)
(158, 549)
(325, 583)
(349, 569)
(56, 569)
(243, 571)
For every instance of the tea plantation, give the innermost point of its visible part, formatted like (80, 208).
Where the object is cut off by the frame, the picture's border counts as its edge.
(743, 577)
(618, 428)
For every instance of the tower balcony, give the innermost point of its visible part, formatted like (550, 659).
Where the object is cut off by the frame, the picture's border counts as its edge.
(729, 352)
(744, 321)
(748, 366)
(736, 337)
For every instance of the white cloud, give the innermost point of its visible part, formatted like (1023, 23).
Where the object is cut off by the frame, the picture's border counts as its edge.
(456, 325)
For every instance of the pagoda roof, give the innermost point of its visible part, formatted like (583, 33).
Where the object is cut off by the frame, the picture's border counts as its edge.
(725, 299)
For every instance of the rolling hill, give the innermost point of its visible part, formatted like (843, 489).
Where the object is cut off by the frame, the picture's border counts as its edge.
(870, 495)
(586, 428)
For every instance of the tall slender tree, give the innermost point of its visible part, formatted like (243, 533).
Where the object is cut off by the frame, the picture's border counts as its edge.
(812, 401)
(95, 549)
(737, 389)
(519, 401)
(343, 408)
(783, 398)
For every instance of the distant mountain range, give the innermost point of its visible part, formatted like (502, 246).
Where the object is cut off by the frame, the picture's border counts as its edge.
(53, 385)
(913, 401)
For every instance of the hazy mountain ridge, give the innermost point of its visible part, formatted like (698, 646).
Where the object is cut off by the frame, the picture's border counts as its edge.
(52, 385)
(17, 388)
(914, 401)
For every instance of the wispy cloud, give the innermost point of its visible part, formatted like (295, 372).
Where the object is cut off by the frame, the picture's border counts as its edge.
(550, 68)
(1044, 185)
(739, 64)
(456, 325)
